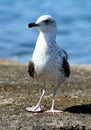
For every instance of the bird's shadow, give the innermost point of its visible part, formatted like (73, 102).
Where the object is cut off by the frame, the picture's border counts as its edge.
(79, 109)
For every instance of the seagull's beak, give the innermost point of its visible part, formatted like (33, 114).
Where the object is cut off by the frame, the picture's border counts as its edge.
(30, 25)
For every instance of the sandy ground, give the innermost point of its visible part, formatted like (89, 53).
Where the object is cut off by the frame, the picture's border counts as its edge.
(18, 90)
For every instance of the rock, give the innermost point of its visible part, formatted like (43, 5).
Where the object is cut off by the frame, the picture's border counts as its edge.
(18, 90)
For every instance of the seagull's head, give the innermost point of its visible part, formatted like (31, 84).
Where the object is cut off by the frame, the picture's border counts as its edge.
(45, 23)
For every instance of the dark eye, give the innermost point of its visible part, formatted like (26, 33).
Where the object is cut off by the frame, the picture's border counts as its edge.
(46, 21)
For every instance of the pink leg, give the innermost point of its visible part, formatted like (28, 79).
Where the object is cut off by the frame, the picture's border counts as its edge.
(52, 108)
(36, 108)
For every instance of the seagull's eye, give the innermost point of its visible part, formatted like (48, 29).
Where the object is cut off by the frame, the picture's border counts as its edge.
(46, 21)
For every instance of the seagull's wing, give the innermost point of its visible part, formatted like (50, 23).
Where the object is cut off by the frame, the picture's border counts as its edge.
(66, 67)
(31, 68)
(65, 64)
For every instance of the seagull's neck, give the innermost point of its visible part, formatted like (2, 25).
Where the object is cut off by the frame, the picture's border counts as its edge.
(50, 38)
(45, 41)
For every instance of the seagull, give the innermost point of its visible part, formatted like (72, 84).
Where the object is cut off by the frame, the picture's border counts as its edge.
(49, 63)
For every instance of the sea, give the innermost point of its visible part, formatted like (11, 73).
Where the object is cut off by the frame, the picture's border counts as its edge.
(73, 19)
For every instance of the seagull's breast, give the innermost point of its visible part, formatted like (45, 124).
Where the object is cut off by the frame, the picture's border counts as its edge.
(47, 67)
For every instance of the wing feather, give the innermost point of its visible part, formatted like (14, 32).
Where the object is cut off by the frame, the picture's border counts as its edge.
(66, 67)
(31, 68)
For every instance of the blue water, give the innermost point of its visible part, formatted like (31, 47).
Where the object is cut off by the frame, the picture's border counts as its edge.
(73, 33)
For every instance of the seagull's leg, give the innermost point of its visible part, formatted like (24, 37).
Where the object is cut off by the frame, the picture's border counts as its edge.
(53, 99)
(37, 108)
